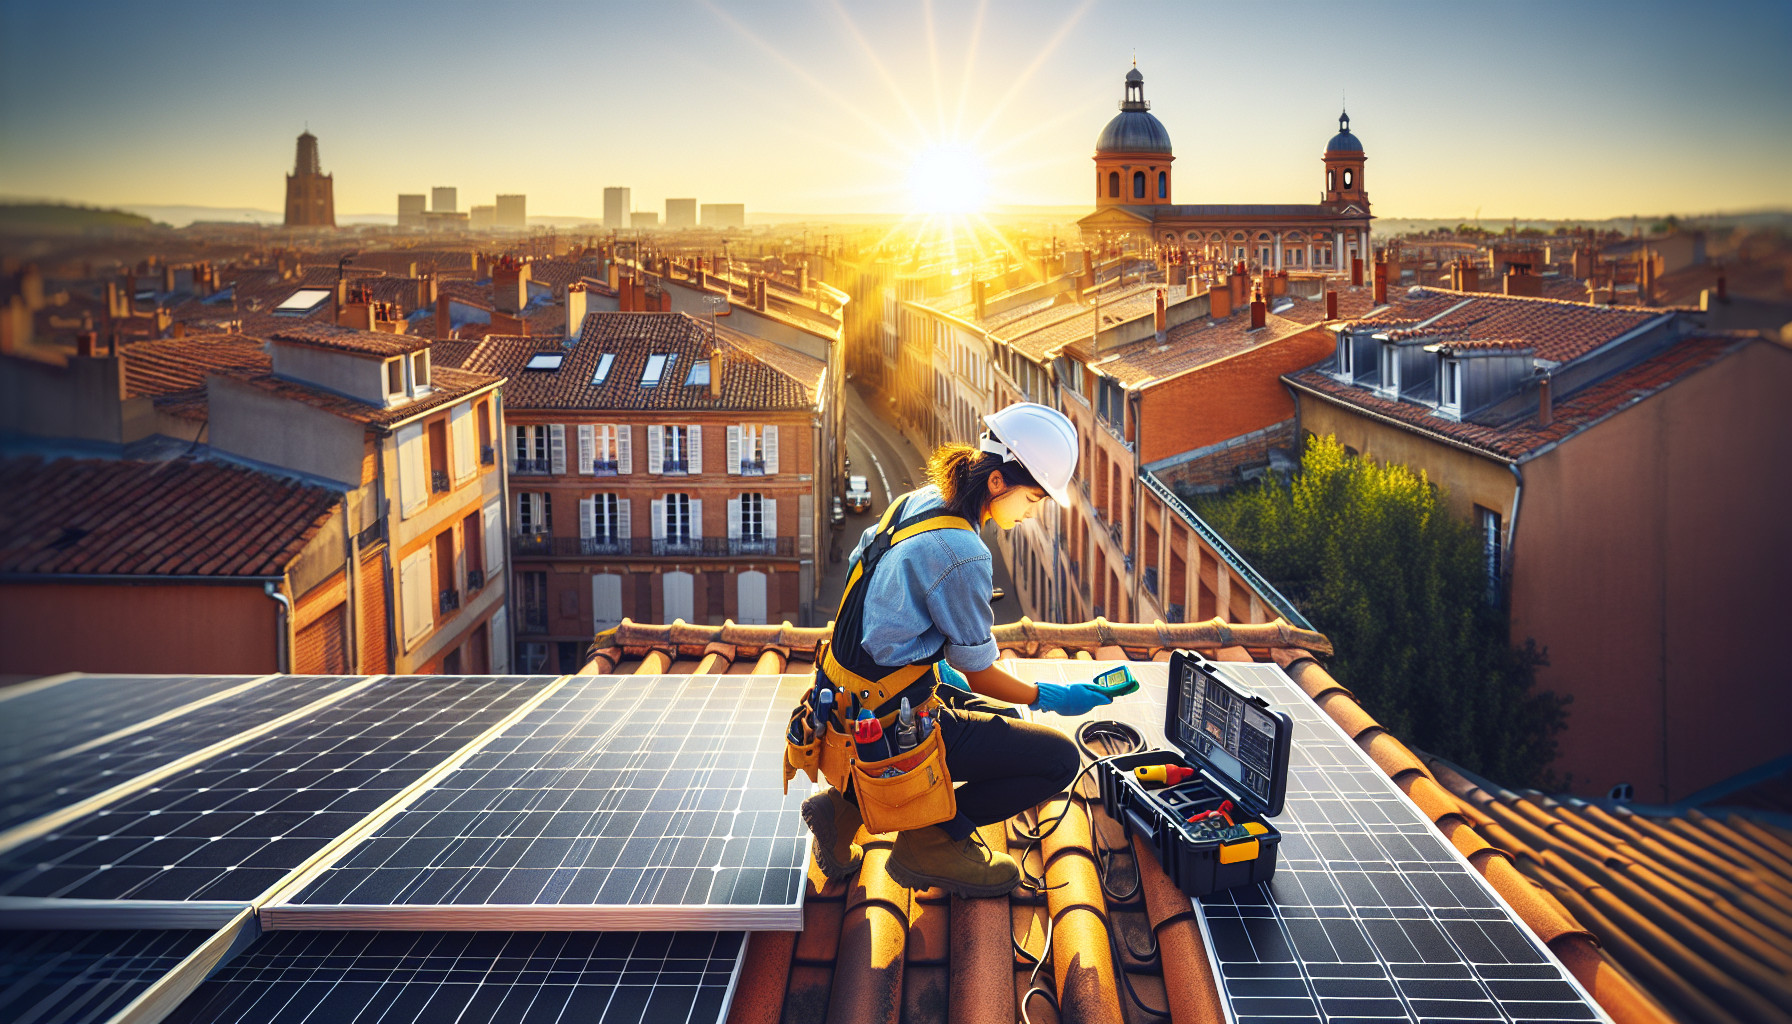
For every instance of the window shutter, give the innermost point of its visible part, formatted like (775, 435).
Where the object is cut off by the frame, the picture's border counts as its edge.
(414, 587)
(413, 482)
(769, 509)
(623, 527)
(500, 642)
(519, 445)
(606, 601)
(655, 448)
(460, 432)
(494, 540)
(625, 447)
(587, 447)
(805, 525)
(733, 455)
(696, 518)
(656, 511)
(695, 456)
(771, 447)
(587, 518)
(557, 447)
(733, 516)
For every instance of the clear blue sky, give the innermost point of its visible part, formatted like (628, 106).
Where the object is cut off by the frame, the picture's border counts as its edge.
(1562, 108)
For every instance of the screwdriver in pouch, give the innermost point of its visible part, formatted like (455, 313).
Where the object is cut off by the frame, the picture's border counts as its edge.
(868, 735)
(907, 735)
(824, 711)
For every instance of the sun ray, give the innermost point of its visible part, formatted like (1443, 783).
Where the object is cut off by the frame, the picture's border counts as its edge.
(877, 65)
(933, 64)
(970, 63)
(1020, 81)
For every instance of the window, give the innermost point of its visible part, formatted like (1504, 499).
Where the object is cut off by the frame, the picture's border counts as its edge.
(394, 377)
(544, 361)
(604, 529)
(602, 373)
(606, 516)
(420, 370)
(752, 517)
(1449, 383)
(1138, 184)
(1488, 522)
(1163, 185)
(534, 513)
(1113, 184)
(657, 365)
(753, 449)
(529, 449)
(674, 448)
(1345, 350)
(603, 448)
(1331, 181)
(699, 373)
(675, 518)
(1389, 363)
(1348, 177)
(531, 658)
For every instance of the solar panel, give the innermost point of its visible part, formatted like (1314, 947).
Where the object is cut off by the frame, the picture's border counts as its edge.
(632, 801)
(233, 826)
(1371, 913)
(74, 977)
(39, 722)
(36, 787)
(413, 977)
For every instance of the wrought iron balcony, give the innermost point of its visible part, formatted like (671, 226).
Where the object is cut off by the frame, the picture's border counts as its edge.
(752, 467)
(603, 467)
(541, 545)
(532, 544)
(438, 480)
(475, 579)
(449, 601)
(487, 455)
(759, 546)
(604, 545)
(532, 467)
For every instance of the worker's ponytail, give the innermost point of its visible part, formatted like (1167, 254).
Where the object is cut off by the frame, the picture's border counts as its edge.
(961, 472)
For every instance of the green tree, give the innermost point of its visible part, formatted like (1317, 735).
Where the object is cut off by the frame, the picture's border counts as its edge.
(1377, 563)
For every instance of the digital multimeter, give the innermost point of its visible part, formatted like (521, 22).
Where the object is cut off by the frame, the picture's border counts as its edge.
(1116, 682)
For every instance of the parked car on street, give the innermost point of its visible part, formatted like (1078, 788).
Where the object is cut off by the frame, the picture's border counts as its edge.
(858, 494)
(839, 513)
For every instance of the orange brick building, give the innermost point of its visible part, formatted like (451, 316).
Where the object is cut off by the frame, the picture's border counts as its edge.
(657, 472)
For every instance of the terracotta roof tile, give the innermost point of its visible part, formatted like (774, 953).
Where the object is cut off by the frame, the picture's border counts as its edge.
(179, 517)
(1187, 347)
(343, 339)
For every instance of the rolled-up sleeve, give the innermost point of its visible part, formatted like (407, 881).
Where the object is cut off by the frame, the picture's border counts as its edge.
(959, 604)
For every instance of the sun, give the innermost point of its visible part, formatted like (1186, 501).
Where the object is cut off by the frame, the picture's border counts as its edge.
(947, 178)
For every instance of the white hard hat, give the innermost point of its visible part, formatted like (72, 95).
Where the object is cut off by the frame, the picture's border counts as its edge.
(1040, 438)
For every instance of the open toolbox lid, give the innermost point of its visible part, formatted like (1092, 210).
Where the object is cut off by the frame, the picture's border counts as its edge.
(1230, 731)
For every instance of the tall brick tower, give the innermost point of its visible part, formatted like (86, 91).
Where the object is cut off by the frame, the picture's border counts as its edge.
(310, 193)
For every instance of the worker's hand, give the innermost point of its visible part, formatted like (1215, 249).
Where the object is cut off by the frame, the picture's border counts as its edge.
(1074, 699)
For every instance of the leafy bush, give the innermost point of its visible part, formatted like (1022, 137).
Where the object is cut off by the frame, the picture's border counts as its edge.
(1376, 562)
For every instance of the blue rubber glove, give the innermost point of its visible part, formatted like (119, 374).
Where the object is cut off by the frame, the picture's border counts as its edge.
(1075, 699)
(952, 677)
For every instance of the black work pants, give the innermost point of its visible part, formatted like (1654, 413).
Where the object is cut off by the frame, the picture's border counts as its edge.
(1001, 764)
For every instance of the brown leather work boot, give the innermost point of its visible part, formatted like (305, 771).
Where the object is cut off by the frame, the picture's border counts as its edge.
(834, 821)
(926, 857)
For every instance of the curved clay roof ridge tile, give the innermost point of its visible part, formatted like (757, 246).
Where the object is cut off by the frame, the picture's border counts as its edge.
(981, 937)
(873, 934)
(1720, 846)
(1747, 846)
(1082, 962)
(1702, 855)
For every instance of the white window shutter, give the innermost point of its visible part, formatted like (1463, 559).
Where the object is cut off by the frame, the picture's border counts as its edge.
(696, 518)
(733, 517)
(655, 448)
(606, 601)
(770, 433)
(557, 447)
(413, 480)
(625, 445)
(805, 525)
(499, 642)
(656, 511)
(587, 518)
(587, 447)
(624, 529)
(733, 449)
(695, 456)
(414, 591)
(460, 435)
(494, 540)
(769, 509)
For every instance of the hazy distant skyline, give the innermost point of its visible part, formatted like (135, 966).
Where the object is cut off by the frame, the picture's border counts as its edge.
(1528, 109)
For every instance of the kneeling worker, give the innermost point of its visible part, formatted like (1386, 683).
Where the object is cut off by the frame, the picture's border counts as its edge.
(915, 623)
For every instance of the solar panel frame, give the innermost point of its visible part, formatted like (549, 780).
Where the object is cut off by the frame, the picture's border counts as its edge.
(1331, 782)
(395, 728)
(539, 812)
(85, 977)
(42, 721)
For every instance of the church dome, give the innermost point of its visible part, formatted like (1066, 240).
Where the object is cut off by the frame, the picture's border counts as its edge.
(1134, 129)
(1344, 141)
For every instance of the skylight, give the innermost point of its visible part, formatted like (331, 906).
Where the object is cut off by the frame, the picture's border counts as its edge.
(603, 368)
(657, 365)
(545, 361)
(303, 301)
(699, 372)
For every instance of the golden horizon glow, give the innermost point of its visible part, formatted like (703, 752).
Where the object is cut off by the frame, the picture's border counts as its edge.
(948, 178)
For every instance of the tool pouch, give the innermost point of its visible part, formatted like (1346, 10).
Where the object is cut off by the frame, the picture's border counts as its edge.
(836, 756)
(800, 757)
(921, 795)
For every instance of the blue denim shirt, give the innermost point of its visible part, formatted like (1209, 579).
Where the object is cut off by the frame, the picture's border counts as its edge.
(931, 589)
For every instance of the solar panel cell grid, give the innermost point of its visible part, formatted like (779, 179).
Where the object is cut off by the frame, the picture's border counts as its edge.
(75, 977)
(74, 711)
(620, 791)
(406, 977)
(234, 826)
(34, 788)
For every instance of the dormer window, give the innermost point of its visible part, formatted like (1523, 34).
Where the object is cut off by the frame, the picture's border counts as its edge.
(419, 371)
(1345, 352)
(1449, 385)
(1390, 365)
(394, 377)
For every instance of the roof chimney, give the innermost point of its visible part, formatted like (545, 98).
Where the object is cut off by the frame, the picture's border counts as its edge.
(1331, 300)
(1723, 289)
(1219, 298)
(1356, 271)
(718, 365)
(1162, 319)
(85, 343)
(1381, 290)
(1546, 412)
(1258, 309)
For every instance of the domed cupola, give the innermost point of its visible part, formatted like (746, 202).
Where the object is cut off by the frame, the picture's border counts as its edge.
(1343, 161)
(1132, 154)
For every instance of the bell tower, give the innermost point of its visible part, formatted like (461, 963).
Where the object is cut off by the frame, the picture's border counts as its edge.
(1132, 154)
(1344, 167)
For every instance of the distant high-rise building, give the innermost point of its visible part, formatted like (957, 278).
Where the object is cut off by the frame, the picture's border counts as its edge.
(616, 202)
(411, 210)
(681, 213)
(512, 213)
(644, 219)
(724, 215)
(483, 218)
(442, 200)
(310, 193)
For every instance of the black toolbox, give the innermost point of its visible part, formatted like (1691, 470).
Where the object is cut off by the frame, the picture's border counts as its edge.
(1238, 749)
